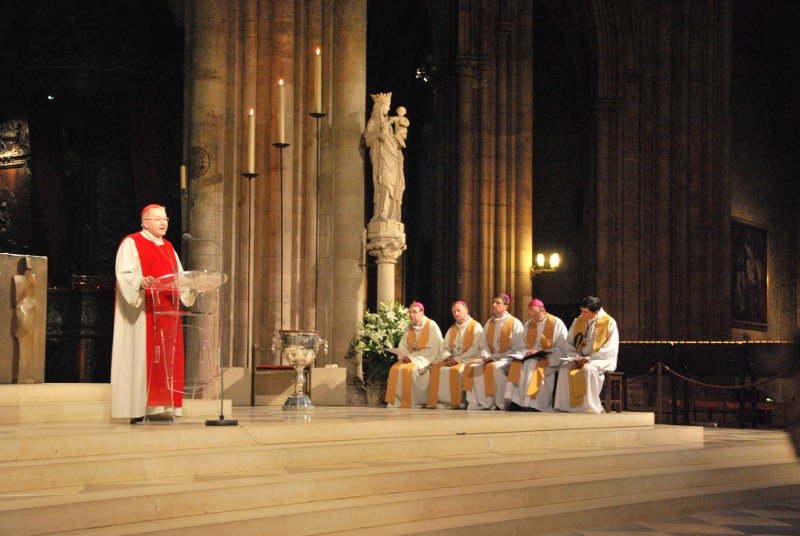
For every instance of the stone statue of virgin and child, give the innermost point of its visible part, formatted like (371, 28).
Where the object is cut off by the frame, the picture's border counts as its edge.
(386, 138)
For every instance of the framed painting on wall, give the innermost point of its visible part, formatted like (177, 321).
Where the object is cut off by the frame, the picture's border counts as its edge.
(748, 275)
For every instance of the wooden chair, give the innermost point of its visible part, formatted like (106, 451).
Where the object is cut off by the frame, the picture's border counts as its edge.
(614, 388)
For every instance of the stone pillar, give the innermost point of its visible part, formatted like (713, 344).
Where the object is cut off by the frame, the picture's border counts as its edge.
(206, 81)
(521, 148)
(341, 258)
(467, 238)
(662, 166)
(207, 147)
(387, 240)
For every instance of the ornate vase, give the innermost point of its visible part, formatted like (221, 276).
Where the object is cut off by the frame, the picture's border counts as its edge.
(299, 349)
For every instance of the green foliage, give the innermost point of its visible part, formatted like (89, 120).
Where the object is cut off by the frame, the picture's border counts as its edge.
(377, 332)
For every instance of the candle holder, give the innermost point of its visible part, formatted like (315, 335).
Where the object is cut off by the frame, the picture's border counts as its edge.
(281, 146)
(249, 175)
(184, 209)
(317, 116)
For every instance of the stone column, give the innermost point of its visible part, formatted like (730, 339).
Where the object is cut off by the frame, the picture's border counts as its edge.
(386, 243)
(348, 89)
(521, 147)
(207, 153)
(206, 95)
(467, 283)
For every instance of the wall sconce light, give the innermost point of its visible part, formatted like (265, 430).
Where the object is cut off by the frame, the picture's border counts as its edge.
(541, 266)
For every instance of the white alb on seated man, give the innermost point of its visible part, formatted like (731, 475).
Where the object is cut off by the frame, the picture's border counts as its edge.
(531, 381)
(420, 346)
(592, 346)
(500, 342)
(459, 348)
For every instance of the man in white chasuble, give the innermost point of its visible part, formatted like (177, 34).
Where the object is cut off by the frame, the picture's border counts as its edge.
(592, 346)
(531, 379)
(408, 381)
(460, 348)
(500, 342)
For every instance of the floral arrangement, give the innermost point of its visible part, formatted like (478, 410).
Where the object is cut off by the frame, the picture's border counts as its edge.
(377, 332)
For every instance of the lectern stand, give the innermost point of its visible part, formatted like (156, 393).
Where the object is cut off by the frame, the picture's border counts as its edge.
(185, 303)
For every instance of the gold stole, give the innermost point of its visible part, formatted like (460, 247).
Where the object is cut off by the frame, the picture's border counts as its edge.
(406, 368)
(436, 370)
(577, 381)
(515, 370)
(540, 371)
(488, 369)
(411, 337)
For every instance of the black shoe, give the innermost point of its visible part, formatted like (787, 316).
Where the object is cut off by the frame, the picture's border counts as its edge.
(513, 406)
(137, 420)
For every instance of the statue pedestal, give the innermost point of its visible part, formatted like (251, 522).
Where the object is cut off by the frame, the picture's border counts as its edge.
(386, 241)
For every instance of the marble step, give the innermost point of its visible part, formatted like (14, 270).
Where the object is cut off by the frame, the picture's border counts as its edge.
(44, 441)
(73, 403)
(139, 461)
(54, 392)
(44, 412)
(561, 518)
(402, 494)
(75, 412)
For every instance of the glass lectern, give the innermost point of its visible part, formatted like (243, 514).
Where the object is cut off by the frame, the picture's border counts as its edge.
(184, 303)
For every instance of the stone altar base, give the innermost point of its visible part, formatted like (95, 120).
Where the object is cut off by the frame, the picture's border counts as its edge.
(372, 471)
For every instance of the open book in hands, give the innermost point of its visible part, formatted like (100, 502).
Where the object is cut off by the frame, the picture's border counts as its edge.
(536, 355)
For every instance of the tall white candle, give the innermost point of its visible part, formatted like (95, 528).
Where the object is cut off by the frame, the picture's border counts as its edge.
(318, 82)
(281, 113)
(251, 142)
(183, 177)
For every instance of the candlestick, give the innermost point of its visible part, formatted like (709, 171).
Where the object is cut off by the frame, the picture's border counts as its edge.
(281, 113)
(317, 116)
(318, 81)
(183, 177)
(251, 142)
(281, 147)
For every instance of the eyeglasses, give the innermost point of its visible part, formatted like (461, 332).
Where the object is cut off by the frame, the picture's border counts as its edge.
(158, 219)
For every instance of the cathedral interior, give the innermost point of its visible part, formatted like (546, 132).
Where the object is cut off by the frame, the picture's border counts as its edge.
(653, 145)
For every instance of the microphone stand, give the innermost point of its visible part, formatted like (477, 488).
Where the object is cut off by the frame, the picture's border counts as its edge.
(222, 421)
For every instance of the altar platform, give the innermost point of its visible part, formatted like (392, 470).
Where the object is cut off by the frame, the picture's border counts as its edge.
(364, 470)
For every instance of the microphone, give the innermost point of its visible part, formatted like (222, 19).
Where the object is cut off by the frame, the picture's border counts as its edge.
(186, 237)
(189, 238)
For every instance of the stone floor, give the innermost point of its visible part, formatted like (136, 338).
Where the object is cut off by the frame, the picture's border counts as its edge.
(782, 518)
(67, 466)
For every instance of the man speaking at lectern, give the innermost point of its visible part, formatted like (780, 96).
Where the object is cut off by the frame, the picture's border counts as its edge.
(141, 258)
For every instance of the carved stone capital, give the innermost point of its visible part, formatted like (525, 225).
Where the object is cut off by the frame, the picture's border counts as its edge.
(386, 240)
